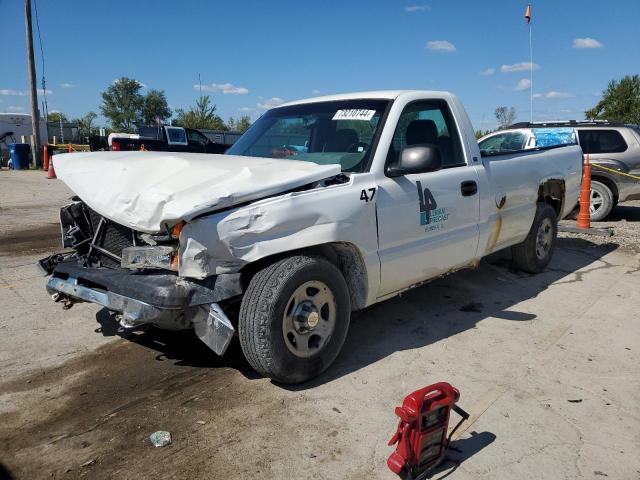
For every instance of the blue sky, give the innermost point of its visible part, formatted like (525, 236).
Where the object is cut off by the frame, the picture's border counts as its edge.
(252, 54)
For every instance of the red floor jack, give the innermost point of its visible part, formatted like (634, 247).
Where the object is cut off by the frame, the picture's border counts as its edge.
(422, 430)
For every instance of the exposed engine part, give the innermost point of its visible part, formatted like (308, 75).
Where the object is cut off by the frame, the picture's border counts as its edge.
(99, 240)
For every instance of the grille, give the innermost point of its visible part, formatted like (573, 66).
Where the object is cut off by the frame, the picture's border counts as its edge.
(108, 240)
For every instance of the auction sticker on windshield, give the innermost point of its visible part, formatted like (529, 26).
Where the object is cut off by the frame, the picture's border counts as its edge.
(354, 114)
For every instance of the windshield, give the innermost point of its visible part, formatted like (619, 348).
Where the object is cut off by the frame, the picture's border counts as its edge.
(341, 132)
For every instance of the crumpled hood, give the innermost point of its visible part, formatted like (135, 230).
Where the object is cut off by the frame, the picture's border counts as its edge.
(144, 190)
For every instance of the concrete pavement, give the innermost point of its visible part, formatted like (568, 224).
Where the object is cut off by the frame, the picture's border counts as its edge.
(546, 364)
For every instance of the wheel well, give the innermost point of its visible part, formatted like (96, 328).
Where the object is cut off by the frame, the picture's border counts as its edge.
(611, 185)
(552, 192)
(345, 256)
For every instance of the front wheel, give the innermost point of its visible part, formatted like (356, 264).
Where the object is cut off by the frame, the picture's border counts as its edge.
(294, 318)
(534, 254)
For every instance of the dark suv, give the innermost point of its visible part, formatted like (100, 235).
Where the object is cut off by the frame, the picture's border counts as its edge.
(613, 148)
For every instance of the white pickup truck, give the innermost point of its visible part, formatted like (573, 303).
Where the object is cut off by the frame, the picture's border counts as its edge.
(323, 207)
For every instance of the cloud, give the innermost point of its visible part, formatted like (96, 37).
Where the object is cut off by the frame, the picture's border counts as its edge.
(67, 85)
(553, 94)
(587, 42)
(21, 93)
(315, 91)
(441, 46)
(519, 67)
(246, 109)
(416, 8)
(225, 88)
(13, 108)
(523, 84)
(270, 103)
(488, 71)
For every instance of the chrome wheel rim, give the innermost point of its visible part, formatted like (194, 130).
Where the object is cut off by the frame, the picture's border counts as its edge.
(595, 202)
(309, 319)
(544, 238)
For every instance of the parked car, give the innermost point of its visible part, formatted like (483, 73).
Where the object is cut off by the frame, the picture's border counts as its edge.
(166, 138)
(390, 192)
(612, 147)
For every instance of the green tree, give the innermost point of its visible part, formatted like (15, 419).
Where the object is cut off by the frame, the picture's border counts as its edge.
(243, 124)
(122, 104)
(240, 125)
(620, 101)
(505, 116)
(201, 115)
(155, 107)
(482, 133)
(85, 125)
(57, 117)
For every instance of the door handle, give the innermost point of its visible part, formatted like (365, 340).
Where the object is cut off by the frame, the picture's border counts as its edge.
(468, 188)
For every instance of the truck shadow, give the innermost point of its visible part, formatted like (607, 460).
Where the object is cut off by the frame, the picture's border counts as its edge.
(456, 303)
(420, 317)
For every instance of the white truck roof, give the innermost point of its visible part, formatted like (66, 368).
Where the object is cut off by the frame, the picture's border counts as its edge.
(379, 94)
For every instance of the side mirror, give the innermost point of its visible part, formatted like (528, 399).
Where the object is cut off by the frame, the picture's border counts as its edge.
(416, 159)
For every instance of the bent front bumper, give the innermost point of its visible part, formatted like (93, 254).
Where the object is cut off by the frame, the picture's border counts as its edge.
(152, 297)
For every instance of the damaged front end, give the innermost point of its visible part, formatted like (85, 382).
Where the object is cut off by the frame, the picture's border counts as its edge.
(134, 275)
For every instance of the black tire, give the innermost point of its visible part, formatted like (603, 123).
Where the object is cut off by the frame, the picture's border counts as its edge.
(262, 318)
(529, 255)
(604, 194)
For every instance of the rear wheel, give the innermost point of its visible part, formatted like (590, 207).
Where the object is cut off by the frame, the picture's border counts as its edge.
(534, 254)
(294, 318)
(600, 201)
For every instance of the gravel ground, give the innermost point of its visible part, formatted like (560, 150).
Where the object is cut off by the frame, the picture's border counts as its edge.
(625, 222)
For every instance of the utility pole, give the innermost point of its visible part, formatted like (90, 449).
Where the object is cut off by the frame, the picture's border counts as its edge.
(35, 117)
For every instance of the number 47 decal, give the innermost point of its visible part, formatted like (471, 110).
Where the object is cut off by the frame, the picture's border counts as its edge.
(367, 197)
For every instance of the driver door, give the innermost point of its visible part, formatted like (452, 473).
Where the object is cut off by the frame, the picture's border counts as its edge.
(427, 222)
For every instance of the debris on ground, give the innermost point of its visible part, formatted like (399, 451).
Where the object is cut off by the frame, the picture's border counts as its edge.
(201, 422)
(88, 463)
(160, 438)
(577, 400)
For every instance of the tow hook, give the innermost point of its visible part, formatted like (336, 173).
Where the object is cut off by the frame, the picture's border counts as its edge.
(67, 302)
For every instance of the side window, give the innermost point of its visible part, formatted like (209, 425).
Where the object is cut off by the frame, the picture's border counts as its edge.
(601, 141)
(428, 123)
(196, 137)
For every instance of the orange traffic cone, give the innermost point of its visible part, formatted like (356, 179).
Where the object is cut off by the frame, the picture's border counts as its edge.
(45, 158)
(584, 217)
(51, 173)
